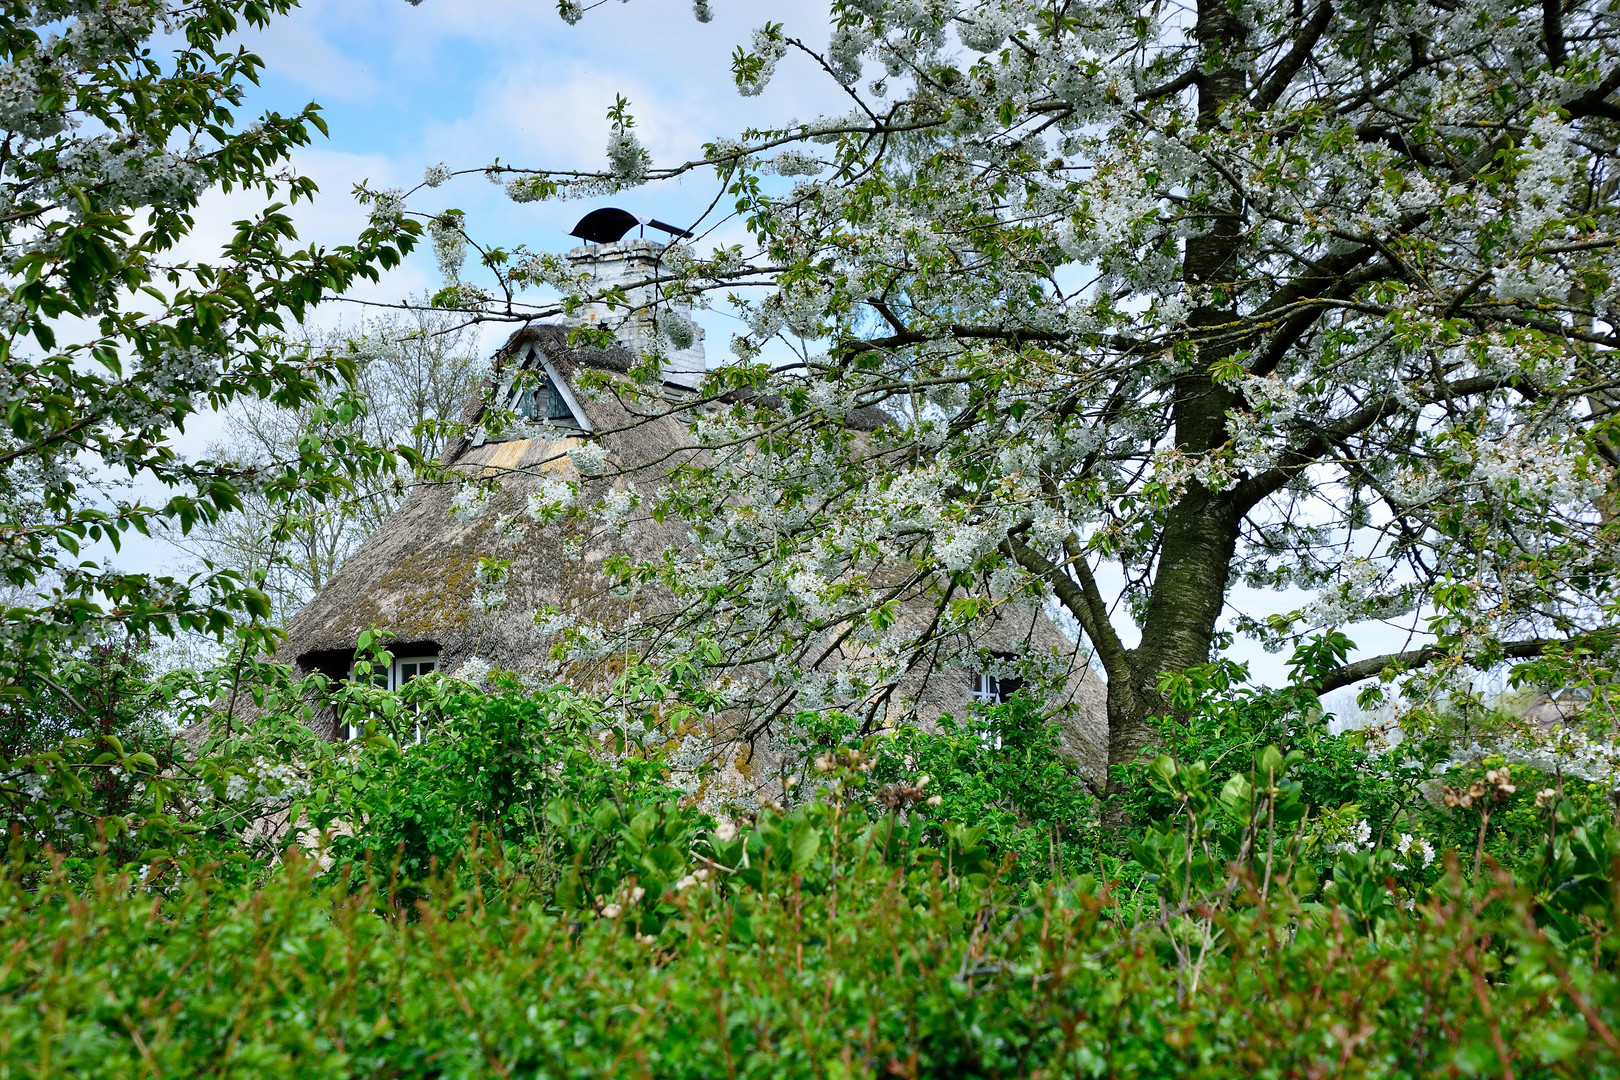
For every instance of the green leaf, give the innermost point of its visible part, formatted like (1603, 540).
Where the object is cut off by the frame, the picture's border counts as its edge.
(804, 842)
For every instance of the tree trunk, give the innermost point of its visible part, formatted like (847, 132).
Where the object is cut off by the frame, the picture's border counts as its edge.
(1189, 591)
(1200, 534)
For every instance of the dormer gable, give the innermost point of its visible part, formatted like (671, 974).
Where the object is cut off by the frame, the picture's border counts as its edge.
(530, 380)
(537, 393)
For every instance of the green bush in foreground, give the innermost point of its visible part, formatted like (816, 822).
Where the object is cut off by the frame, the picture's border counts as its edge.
(857, 953)
(533, 891)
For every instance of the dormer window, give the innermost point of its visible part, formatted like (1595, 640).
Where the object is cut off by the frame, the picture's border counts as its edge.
(538, 400)
(987, 689)
(537, 394)
(400, 672)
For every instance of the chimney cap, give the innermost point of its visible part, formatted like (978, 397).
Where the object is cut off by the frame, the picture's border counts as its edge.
(609, 223)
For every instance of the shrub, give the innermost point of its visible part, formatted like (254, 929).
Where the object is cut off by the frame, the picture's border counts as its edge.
(526, 892)
(861, 952)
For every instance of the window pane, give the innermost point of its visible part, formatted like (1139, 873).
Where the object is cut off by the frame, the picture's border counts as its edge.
(984, 688)
(406, 670)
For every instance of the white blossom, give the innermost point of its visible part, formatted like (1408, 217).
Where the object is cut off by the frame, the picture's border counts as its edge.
(589, 458)
(474, 670)
(628, 160)
(469, 504)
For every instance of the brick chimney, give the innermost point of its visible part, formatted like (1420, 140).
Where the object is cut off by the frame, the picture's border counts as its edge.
(632, 263)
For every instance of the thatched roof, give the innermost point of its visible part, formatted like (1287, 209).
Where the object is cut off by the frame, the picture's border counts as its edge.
(416, 576)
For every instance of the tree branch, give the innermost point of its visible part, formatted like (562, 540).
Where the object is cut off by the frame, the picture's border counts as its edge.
(1346, 674)
(1552, 32)
(1085, 603)
(1281, 75)
(1190, 77)
(1595, 102)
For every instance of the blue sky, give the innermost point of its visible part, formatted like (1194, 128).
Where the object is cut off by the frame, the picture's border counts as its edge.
(467, 82)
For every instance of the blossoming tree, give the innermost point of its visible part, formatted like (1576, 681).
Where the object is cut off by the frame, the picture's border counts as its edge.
(1293, 293)
(116, 119)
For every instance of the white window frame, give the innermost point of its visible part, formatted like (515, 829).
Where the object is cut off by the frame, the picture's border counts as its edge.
(396, 671)
(397, 679)
(986, 691)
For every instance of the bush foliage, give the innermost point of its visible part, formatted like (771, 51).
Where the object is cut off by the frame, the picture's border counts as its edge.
(527, 892)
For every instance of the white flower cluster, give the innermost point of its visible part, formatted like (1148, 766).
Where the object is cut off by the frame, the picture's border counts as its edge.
(492, 576)
(1414, 850)
(20, 97)
(13, 313)
(588, 642)
(387, 209)
(589, 458)
(985, 30)
(474, 670)
(679, 330)
(724, 149)
(265, 783)
(511, 528)
(449, 245)
(129, 174)
(1545, 179)
(770, 48)
(469, 504)
(1534, 282)
(525, 189)
(1359, 838)
(803, 308)
(435, 175)
(686, 760)
(33, 786)
(1527, 465)
(1561, 752)
(844, 51)
(552, 497)
(628, 160)
(1349, 599)
(617, 506)
(184, 369)
(796, 163)
(965, 546)
(552, 622)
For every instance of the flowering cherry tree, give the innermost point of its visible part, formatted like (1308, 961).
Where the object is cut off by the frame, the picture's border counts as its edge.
(1293, 293)
(115, 119)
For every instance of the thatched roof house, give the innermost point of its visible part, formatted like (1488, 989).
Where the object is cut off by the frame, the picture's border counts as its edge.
(454, 574)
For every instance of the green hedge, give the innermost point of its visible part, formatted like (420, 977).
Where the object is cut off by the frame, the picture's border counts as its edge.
(534, 892)
(863, 953)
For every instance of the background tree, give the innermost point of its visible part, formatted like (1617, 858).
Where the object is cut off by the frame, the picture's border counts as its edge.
(413, 375)
(1308, 296)
(116, 119)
